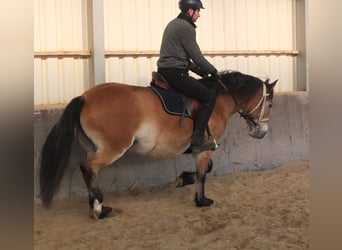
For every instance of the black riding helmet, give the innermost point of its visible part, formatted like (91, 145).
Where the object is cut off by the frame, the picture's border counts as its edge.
(184, 5)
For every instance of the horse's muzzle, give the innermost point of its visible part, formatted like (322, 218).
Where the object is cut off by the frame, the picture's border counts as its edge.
(258, 131)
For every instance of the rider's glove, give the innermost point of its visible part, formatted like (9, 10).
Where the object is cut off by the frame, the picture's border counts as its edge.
(215, 76)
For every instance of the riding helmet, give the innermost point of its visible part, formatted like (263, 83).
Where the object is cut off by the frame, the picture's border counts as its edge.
(184, 5)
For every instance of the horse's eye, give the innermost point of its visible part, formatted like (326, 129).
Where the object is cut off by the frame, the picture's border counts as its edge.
(270, 105)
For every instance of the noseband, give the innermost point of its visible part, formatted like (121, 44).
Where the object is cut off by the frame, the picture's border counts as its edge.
(247, 115)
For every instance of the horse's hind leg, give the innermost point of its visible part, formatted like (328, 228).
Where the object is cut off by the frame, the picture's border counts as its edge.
(188, 178)
(90, 171)
(97, 211)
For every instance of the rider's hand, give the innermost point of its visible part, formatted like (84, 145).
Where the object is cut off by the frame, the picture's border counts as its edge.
(215, 76)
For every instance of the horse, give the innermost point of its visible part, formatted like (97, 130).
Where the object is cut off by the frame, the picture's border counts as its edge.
(110, 119)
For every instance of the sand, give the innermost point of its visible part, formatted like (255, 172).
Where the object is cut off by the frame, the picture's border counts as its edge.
(255, 210)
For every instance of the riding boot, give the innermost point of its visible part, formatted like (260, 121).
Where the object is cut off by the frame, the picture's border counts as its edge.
(199, 143)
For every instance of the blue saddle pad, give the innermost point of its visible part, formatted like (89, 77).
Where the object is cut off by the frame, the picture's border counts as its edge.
(172, 102)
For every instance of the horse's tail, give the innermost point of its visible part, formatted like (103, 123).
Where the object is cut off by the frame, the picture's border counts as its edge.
(57, 148)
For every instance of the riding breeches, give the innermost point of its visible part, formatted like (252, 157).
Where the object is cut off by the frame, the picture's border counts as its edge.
(189, 86)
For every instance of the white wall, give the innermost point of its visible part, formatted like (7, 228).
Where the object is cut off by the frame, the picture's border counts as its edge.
(224, 25)
(60, 26)
(252, 36)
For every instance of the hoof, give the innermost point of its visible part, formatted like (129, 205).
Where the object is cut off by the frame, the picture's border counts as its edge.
(100, 214)
(186, 178)
(204, 202)
(105, 211)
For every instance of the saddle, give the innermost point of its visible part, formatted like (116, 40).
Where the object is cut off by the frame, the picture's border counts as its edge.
(189, 105)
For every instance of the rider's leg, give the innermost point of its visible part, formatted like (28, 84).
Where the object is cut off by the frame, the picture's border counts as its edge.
(189, 86)
(199, 142)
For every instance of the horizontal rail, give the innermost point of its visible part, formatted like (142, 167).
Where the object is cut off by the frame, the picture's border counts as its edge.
(153, 53)
(62, 53)
(127, 53)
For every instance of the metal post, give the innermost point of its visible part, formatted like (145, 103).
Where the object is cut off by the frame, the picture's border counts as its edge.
(96, 41)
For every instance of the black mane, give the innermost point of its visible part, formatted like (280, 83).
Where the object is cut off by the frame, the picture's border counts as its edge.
(240, 84)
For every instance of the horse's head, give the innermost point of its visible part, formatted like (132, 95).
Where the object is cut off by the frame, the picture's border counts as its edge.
(253, 98)
(258, 112)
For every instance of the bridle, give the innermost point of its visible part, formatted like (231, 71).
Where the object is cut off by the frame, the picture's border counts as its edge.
(247, 115)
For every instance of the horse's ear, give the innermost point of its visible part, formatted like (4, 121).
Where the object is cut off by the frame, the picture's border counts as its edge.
(273, 83)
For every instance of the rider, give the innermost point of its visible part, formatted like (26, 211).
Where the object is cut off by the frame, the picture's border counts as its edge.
(180, 53)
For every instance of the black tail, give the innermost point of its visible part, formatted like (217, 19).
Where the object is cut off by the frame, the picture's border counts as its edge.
(57, 148)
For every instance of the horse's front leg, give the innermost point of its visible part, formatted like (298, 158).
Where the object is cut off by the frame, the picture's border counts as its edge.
(97, 210)
(202, 165)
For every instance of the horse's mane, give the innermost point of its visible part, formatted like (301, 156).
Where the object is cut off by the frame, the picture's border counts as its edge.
(239, 84)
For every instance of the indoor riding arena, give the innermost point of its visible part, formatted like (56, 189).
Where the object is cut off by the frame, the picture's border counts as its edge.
(260, 187)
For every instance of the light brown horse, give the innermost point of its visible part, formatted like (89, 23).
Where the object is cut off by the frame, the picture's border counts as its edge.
(115, 118)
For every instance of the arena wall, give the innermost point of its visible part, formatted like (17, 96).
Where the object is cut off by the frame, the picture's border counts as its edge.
(286, 141)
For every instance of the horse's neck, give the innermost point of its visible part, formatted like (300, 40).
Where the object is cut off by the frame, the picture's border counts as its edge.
(225, 107)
